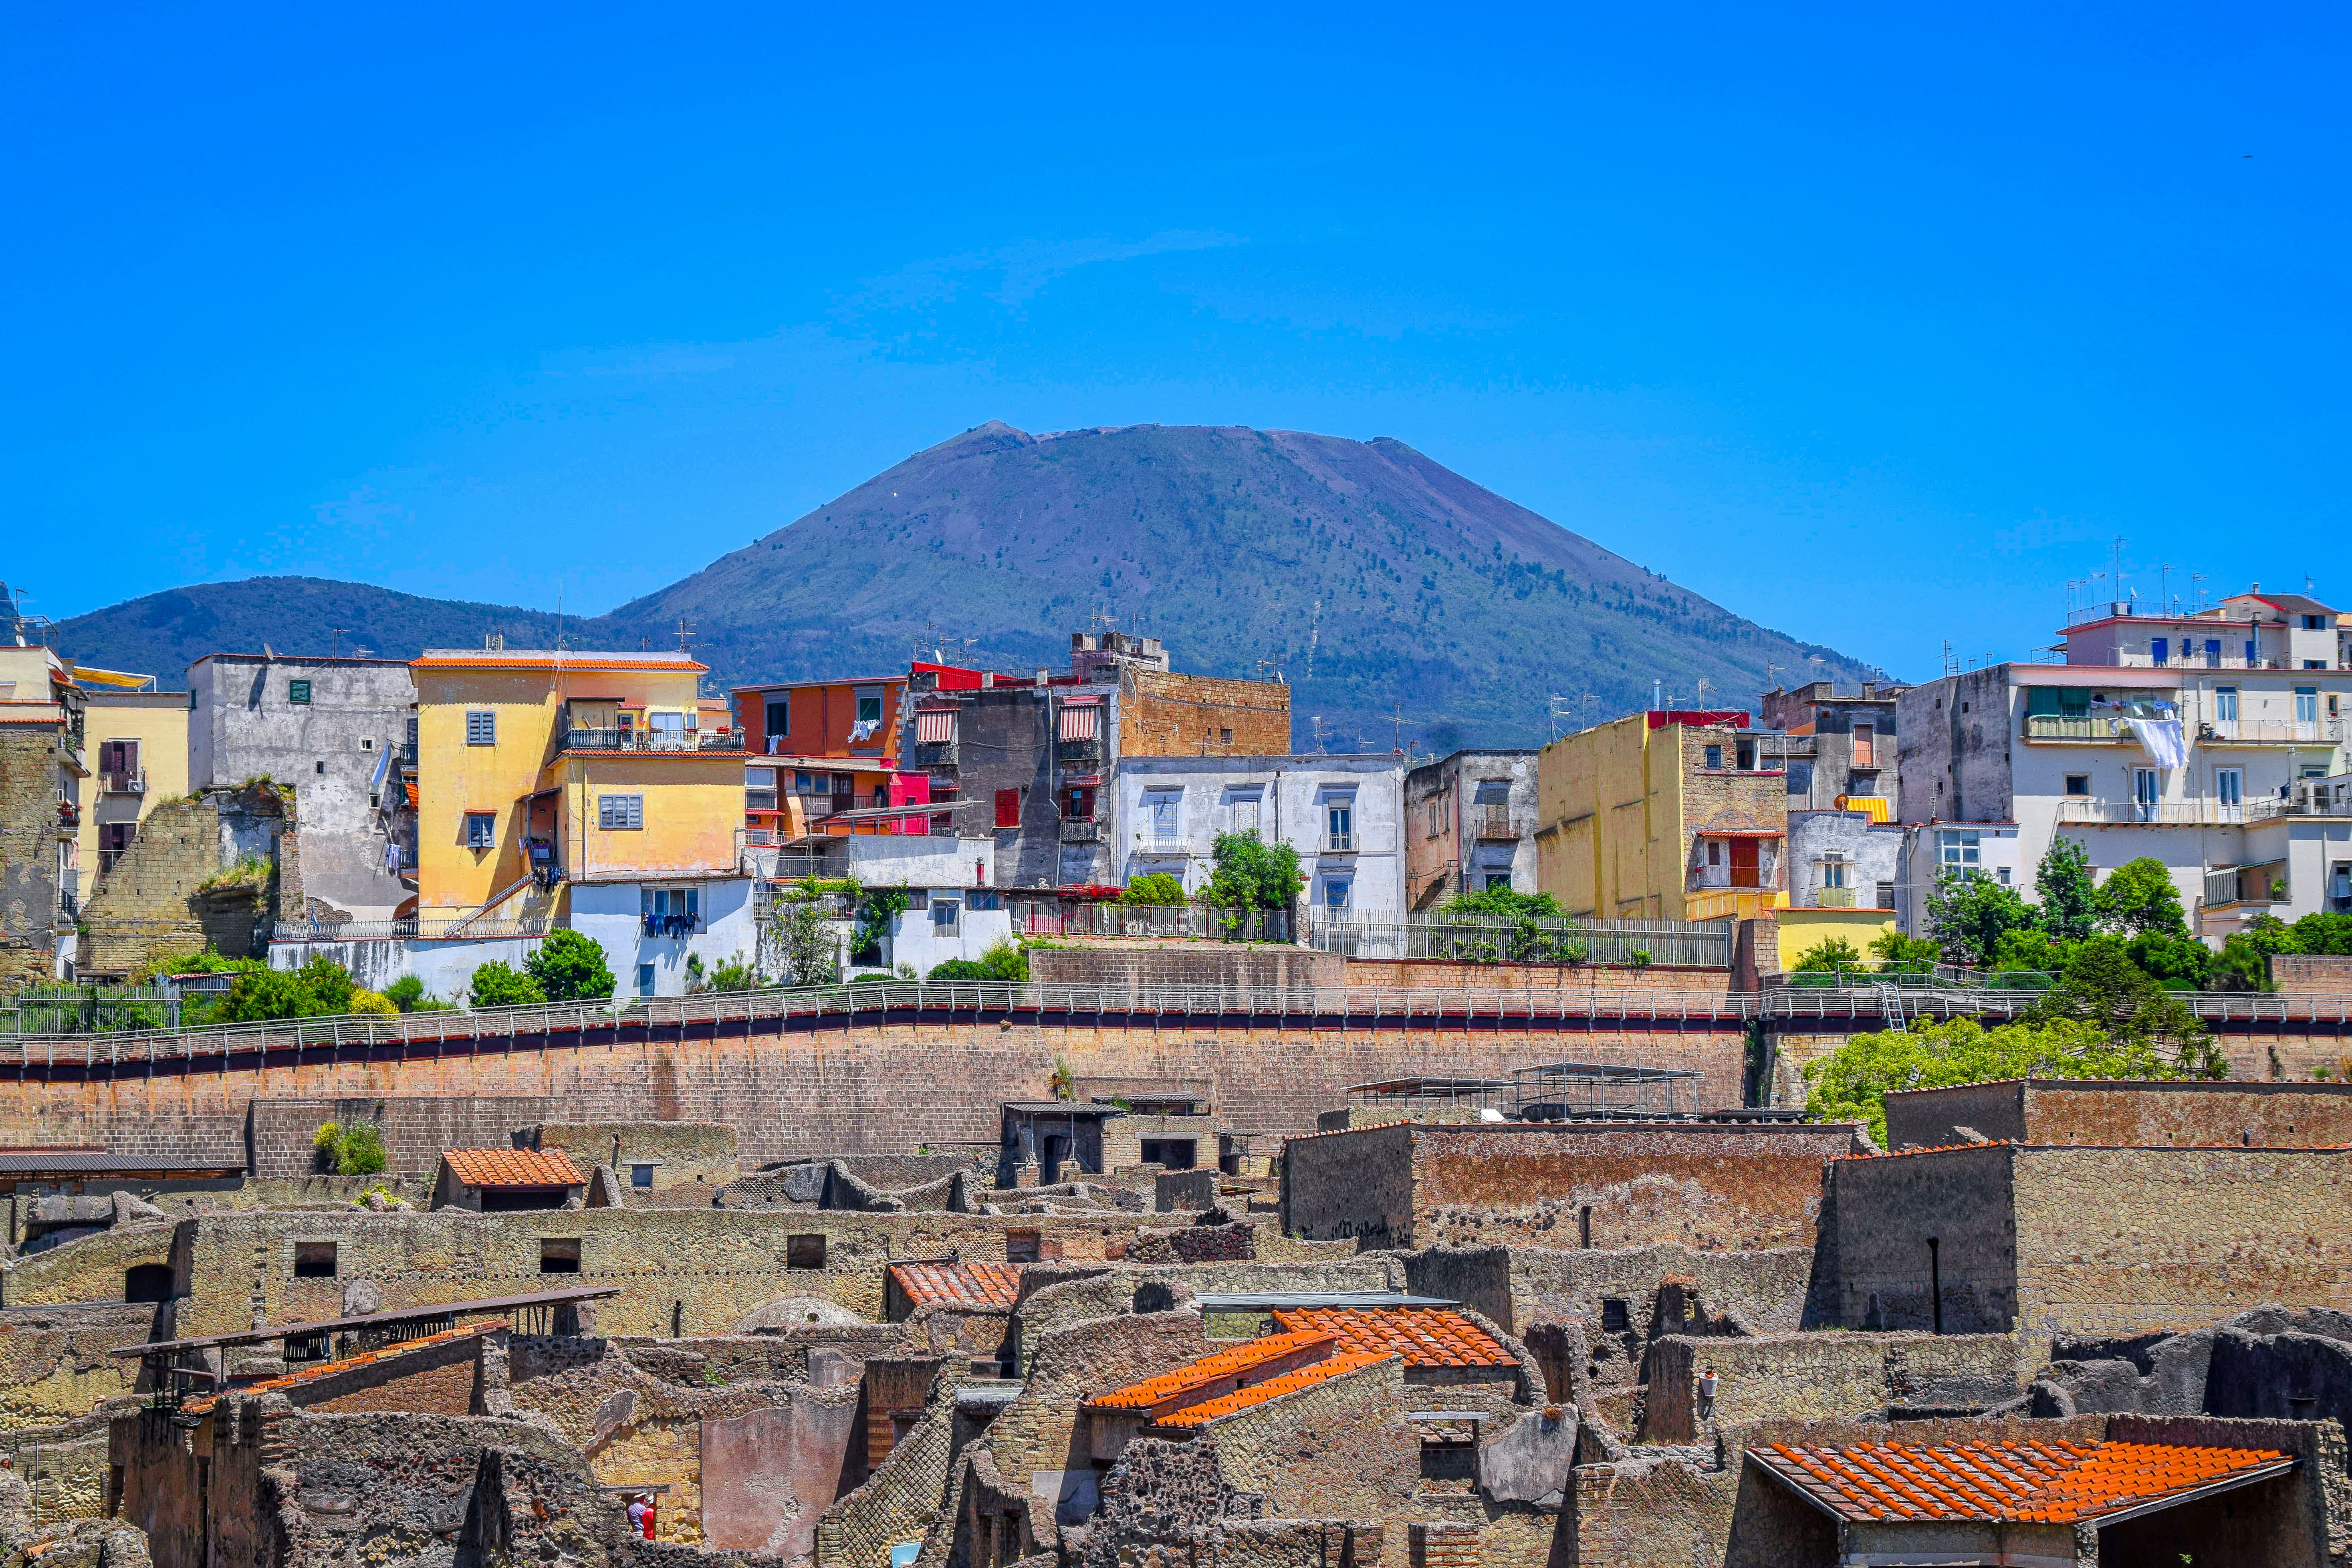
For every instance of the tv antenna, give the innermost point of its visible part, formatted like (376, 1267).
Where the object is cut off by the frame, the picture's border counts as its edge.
(684, 632)
(335, 641)
(1275, 666)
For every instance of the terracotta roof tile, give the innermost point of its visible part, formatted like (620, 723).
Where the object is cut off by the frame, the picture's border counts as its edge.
(965, 1284)
(2028, 1481)
(513, 1167)
(1323, 1371)
(1208, 1372)
(328, 1369)
(1425, 1336)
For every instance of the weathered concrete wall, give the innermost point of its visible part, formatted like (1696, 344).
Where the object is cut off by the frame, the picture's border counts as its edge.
(1737, 1186)
(811, 1091)
(1887, 1209)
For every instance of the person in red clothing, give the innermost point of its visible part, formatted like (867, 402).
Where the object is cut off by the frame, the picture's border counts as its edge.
(649, 1518)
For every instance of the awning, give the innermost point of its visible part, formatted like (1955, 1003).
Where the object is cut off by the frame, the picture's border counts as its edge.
(935, 729)
(1078, 723)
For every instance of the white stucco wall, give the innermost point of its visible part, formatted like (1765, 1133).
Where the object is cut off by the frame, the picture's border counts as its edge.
(1292, 793)
(612, 914)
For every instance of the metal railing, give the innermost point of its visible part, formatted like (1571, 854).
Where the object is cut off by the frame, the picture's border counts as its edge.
(2269, 732)
(1494, 821)
(2263, 884)
(2070, 727)
(2150, 813)
(579, 739)
(91, 1009)
(1081, 830)
(84, 1054)
(1056, 917)
(412, 929)
(123, 781)
(1491, 939)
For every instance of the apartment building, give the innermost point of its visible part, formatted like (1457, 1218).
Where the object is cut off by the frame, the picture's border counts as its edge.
(1030, 759)
(337, 731)
(2213, 743)
(44, 763)
(1470, 823)
(1664, 815)
(579, 788)
(1344, 815)
(138, 744)
(855, 718)
(1837, 752)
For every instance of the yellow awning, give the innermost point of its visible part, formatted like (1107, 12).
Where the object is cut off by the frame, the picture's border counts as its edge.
(1873, 806)
(97, 677)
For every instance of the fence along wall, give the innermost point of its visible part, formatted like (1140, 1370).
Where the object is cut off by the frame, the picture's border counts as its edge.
(828, 1086)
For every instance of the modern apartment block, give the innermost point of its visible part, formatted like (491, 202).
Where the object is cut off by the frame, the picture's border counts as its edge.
(1030, 758)
(1470, 824)
(2213, 743)
(337, 731)
(579, 788)
(1664, 815)
(1344, 816)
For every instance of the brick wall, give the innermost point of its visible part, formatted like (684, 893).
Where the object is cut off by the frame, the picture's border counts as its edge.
(144, 910)
(1554, 984)
(2312, 975)
(436, 1380)
(2272, 1115)
(416, 1129)
(1818, 1376)
(1168, 715)
(814, 1092)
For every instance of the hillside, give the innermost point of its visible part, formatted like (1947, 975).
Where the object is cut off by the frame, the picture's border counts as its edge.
(1374, 578)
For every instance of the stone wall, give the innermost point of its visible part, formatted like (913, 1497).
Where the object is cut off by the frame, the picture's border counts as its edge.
(902, 1499)
(153, 905)
(2039, 1111)
(28, 854)
(1611, 1186)
(281, 1133)
(1553, 985)
(1818, 1376)
(90, 1269)
(684, 1152)
(54, 1364)
(1337, 1448)
(1041, 1445)
(817, 1090)
(1162, 714)
(436, 1380)
(2312, 975)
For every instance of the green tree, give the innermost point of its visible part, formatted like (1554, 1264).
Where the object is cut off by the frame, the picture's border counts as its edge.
(2325, 933)
(1154, 888)
(2030, 950)
(1900, 954)
(1831, 955)
(735, 974)
(2175, 962)
(798, 946)
(1966, 915)
(570, 967)
(2068, 909)
(500, 985)
(1508, 902)
(320, 988)
(2244, 962)
(1248, 875)
(354, 1151)
(2138, 898)
(2104, 988)
(1853, 1082)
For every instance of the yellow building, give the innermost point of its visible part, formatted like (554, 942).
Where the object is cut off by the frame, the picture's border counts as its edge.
(1662, 816)
(138, 745)
(586, 789)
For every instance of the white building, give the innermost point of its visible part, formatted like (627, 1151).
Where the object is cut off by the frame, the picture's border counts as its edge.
(1344, 815)
(2211, 742)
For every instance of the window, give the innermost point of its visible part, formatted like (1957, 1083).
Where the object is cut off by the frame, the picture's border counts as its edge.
(2250, 653)
(1224, 736)
(367, 742)
(298, 691)
(641, 1176)
(672, 911)
(619, 813)
(1497, 880)
(2315, 664)
(1160, 808)
(320, 766)
(2314, 623)
(2212, 653)
(1865, 745)
(2002, 875)
(1715, 852)
(1337, 893)
(2230, 785)
(935, 727)
(1885, 895)
(1246, 810)
(144, 1282)
(644, 979)
(779, 719)
(869, 708)
(1172, 1153)
(1833, 870)
(1713, 757)
(1959, 848)
(314, 1260)
(760, 789)
(559, 1255)
(1614, 1319)
(947, 917)
(1008, 808)
(2225, 704)
(2146, 787)
(1078, 803)
(1339, 823)
(481, 830)
(2078, 784)
(2159, 650)
(2307, 705)
(804, 1252)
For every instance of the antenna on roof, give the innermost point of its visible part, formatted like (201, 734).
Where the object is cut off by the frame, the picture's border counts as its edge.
(335, 641)
(684, 632)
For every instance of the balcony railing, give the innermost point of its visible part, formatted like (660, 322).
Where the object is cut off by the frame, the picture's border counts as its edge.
(1339, 843)
(2066, 727)
(652, 740)
(1087, 750)
(123, 781)
(1495, 821)
(1081, 830)
(404, 754)
(2270, 732)
(932, 754)
(2155, 814)
(1834, 898)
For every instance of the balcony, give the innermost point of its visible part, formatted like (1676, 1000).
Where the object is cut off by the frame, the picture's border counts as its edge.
(932, 754)
(1339, 843)
(69, 813)
(2155, 814)
(1089, 749)
(2263, 884)
(2067, 727)
(1081, 830)
(1494, 821)
(1732, 903)
(404, 754)
(651, 740)
(123, 781)
(1835, 898)
(2270, 732)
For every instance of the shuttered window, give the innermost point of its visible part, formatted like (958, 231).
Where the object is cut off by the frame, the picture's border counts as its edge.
(1008, 808)
(617, 812)
(481, 729)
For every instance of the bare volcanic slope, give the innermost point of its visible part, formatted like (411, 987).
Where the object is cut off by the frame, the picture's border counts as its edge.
(1372, 576)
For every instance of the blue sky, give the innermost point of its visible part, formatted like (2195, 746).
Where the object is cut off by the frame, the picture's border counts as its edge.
(1878, 324)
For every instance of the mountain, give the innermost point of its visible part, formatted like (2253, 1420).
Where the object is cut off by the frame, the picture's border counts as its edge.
(1375, 579)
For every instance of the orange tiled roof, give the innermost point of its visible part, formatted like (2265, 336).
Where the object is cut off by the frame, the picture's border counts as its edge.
(1241, 1399)
(329, 1369)
(2032, 1482)
(1208, 1370)
(965, 1284)
(513, 1167)
(1425, 1336)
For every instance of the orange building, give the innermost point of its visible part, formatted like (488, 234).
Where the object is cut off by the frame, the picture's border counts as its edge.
(822, 718)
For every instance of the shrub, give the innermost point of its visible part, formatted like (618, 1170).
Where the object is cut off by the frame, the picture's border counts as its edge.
(371, 1004)
(1968, 914)
(798, 945)
(570, 967)
(1250, 875)
(1506, 901)
(405, 993)
(1831, 955)
(1638, 958)
(1900, 954)
(319, 989)
(499, 984)
(734, 975)
(1154, 888)
(958, 969)
(354, 1151)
